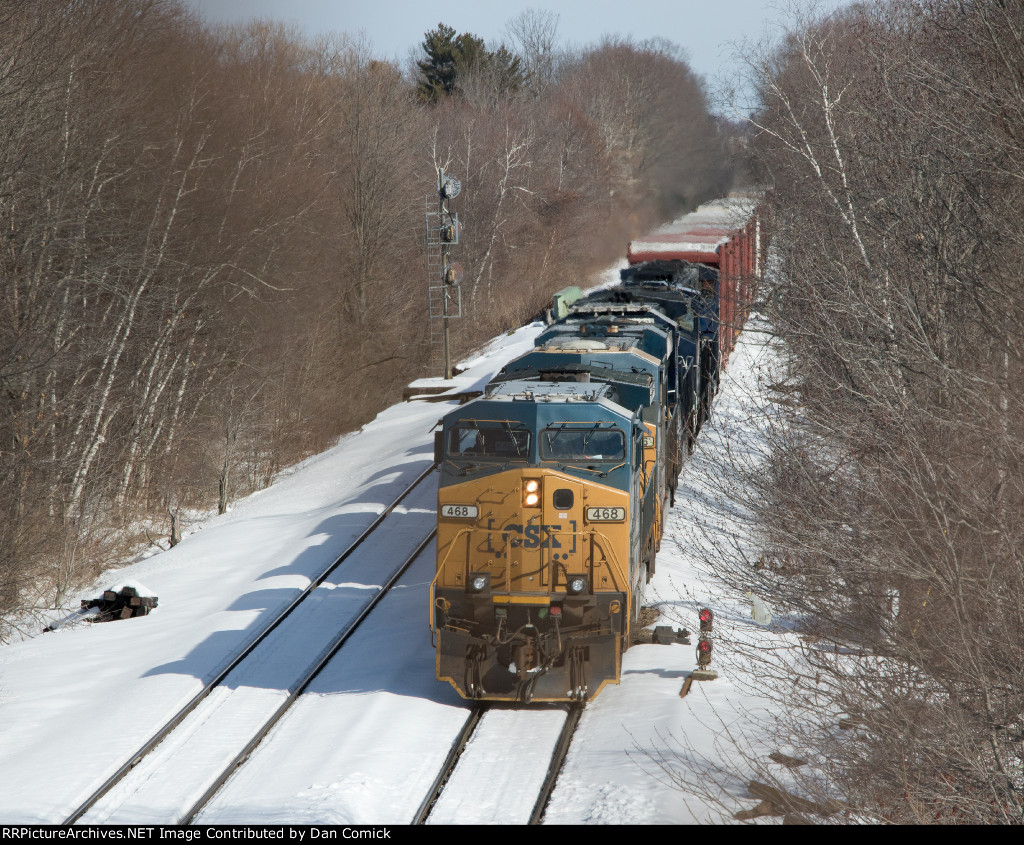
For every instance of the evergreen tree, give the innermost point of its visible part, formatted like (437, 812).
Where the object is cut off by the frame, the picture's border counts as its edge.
(439, 70)
(508, 68)
(450, 57)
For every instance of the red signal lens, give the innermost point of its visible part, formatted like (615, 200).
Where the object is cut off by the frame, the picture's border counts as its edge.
(707, 618)
(704, 654)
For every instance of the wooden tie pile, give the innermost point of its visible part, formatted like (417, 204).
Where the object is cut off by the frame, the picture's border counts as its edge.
(122, 604)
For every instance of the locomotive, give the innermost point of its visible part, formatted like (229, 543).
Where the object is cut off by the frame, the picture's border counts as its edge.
(554, 484)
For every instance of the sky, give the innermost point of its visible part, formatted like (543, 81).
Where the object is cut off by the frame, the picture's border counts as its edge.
(710, 33)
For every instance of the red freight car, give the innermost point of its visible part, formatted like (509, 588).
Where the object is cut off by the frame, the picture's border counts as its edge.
(727, 234)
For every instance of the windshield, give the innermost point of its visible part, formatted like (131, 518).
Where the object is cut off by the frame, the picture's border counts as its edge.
(582, 444)
(467, 440)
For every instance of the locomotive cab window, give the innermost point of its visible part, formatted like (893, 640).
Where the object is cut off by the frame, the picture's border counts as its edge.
(582, 444)
(471, 441)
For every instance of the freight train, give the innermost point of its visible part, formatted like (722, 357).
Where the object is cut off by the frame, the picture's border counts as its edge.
(554, 483)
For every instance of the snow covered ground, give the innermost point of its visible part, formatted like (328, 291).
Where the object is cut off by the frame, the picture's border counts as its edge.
(366, 740)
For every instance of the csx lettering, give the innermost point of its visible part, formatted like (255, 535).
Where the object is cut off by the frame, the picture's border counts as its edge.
(531, 536)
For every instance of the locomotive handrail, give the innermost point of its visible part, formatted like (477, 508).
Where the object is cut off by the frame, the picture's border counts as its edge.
(440, 569)
(659, 519)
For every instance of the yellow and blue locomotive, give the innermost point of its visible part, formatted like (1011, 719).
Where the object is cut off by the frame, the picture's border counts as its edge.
(539, 505)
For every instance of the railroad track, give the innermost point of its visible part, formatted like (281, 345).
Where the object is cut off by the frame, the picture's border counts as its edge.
(92, 808)
(551, 731)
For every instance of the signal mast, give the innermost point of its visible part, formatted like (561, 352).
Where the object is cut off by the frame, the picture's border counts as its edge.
(443, 274)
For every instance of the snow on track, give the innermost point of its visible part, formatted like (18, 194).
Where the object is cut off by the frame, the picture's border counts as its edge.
(502, 769)
(365, 742)
(168, 782)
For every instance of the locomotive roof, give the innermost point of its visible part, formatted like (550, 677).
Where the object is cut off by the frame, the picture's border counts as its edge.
(623, 312)
(525, 390)
(595, 324)
(670, 286)
(579, 373)
(581, 342)
(633, 390)
(665, 275)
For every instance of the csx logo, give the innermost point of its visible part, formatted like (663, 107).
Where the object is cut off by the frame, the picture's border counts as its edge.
(531, 536)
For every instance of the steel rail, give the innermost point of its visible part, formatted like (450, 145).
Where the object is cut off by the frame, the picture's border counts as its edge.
(557, 761)
(458, 746)
(297, 689)
(234, 662)
(561, 750)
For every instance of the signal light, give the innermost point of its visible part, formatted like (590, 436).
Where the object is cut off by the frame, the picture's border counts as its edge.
(450, 187)
(704, 653)
(707, 619)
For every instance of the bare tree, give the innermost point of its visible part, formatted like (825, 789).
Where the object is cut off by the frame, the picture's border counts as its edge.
(880, 508)
(535, 33)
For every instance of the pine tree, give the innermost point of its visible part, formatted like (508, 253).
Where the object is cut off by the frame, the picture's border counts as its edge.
(508, 68)
(439, 70)
(450, 56)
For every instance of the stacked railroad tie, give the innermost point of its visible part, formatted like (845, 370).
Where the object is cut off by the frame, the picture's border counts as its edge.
(125, 603)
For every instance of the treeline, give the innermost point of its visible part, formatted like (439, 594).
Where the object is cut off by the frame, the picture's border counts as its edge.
(211, 244)
(889, 500)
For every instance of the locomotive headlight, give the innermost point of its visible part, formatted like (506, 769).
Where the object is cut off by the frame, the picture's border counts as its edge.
(577, 584)
(531, 493)
(479, 582)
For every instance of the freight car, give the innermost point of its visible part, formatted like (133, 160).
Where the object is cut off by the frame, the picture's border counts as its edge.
(554, 484)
